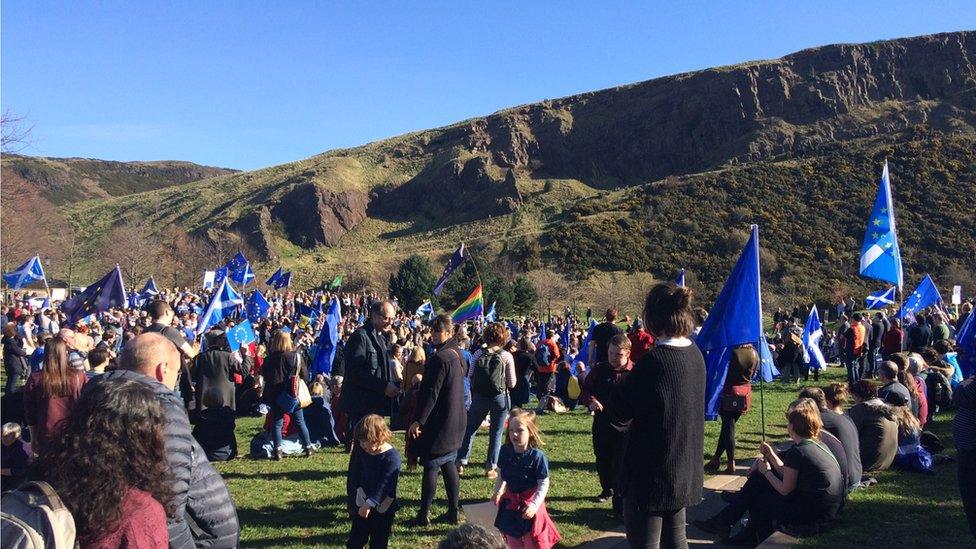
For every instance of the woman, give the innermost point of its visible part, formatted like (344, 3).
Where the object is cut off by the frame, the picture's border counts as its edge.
(116, 487)
(836, 396)
(801, 487)
(50, 395)
(877, 432)
(735, 400)
(214, 368)
(525, 365)
(893, 340)
(414, 366)
(281, 364)
(14, 357)
(662, 400)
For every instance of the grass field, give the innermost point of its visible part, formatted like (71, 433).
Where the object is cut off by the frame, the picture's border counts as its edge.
(299, 502)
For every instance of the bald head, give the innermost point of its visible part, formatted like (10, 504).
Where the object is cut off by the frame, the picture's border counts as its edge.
(382, 314)
(153, 355)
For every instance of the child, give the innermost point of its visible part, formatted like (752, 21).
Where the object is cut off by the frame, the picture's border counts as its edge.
(318, 416)
(16, 457)
(215, 427)
(374, 468)
(522, 485)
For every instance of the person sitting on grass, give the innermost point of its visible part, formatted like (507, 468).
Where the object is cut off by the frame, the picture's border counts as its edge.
(371, 484)
(835, 394)
(842, 428)
(877, 432)
(801, 488)
(319, 418)
(911, 455)
(215, 425)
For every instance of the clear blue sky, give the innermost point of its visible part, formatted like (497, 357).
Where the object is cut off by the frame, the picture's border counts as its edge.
(252, 84)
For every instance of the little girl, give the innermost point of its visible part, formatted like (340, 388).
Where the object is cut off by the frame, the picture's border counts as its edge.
(374, 468)
(522, 485)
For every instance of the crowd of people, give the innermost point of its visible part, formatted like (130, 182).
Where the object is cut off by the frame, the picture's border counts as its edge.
(123, 413)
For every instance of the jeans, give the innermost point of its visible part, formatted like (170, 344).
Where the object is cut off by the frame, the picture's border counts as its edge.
(13, 376)
(481, 406)
(653, 529)
(452, 483)
(298, 416)
(376, 529)
(853, 368)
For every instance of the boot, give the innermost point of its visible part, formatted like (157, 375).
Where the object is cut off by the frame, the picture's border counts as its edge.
(277, 454)
(715, 525)
(309, 451)
(422, 520)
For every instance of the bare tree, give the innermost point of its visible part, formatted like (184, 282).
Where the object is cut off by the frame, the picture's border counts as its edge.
(135, 249)
(16, 132)
(554, 291)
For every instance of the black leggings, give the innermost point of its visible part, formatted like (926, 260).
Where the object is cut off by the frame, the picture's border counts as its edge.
(653, 529)
(726, 438)
(452, 482)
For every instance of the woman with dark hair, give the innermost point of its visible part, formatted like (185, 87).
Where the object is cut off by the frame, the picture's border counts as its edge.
(281, 364)
(109, 467)
(50, 395)
(663, 399)
(14, 357)
(877, 431)
(214, 369)
(735, 400)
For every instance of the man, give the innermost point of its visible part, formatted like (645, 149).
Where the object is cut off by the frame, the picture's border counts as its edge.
(888, 376)
(919, 335)
(854, 348)
(162, 316)
(602, 334)
(439, 429)
(367, 386)
(205, 514)
(607, 441)
(874, 346)
(640, 341)
(547, 358)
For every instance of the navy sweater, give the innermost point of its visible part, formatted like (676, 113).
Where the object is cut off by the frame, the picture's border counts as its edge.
(376, 474)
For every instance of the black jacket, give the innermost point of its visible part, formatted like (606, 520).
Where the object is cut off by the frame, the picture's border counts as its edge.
(367, 369)
(14, 356)
(214, 368)
(205, 513)
(277, 371)
(440, 403)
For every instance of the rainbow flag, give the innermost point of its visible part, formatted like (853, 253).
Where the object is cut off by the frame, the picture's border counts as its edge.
(472, 307)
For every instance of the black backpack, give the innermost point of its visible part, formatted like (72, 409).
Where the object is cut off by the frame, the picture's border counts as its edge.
(938, 389)
(488, 377)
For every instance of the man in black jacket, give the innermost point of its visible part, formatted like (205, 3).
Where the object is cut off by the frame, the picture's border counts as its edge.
(367, 387)
(874, 344)
(205, 513)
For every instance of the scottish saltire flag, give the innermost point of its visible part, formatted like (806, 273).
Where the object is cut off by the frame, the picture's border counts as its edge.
(680, 281)
(735, 319)
(29, 272)
(241, 335)
(966, 341)
(584, 352)
(490, 315)
(39, 302)
(425, 310)
(471, 308)
(101, 296)
(812, 334)
(219, 275)
(257, 307)
(274, 278)
(209, 278)
(284, 281)
(881, 298)
(150, 289)
(336, 283)
(880, 257)
(514, 329)
(243, 275)
(925, 295)
(327, 341)
(456, 260)
(223, 303)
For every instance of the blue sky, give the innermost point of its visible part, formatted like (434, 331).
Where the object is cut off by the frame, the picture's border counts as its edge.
(252, 84)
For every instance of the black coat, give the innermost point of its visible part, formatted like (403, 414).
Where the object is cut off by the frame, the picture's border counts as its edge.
(277, 371)
(440, 403)
(367, 369)
(214, 368)
(14, 356)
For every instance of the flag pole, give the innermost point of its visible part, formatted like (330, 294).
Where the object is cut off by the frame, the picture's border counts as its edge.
(762, 401)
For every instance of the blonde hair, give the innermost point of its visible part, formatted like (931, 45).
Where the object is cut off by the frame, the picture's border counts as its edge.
(316, 388)
(11, 428)
(804, 417)
(418, 355)
(280, 342)
(372, 430)
(908, 424)
(526, 418)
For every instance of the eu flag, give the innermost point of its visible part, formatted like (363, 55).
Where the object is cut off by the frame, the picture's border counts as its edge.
(880, 257)
(452, 264)
(241, 335)
(328, 339)
(274, 278)
(101, 296)
(257, 307)
(925, 295)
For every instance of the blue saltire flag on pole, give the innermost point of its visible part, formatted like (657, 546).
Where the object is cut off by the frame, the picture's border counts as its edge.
(735, 319)
(812, 334)
(584, 352)
(150, 289)
(328, 339)
(241, 335)
(243, 275)
(881, 298)
(966, 340)
(680, 281)
(880, 256)
(257, 307)
(426, 310)
(101, 296)
(491, 317)
(274, 278)
(456, 260)
(29, 272)
(223, 303)
(925, 295)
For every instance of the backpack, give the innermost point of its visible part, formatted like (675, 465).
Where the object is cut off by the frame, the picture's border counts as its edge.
(938, 389)
(34, 517)
(488, 376)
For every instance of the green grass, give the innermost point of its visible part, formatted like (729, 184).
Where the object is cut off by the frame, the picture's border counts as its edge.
(299, 502)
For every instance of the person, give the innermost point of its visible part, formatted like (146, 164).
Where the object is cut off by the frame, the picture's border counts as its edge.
(491, 379)
(371, 484)
(791, 355)
(964, 435)
(888, 377)
(608, 442)
(567, 385)
(367, 385)
(473, 536)
(114, 486)
(99, 360)
(522, 485)
(877, 432)
(281, 363)
(875, 343)
(893, 339)
(200, 495)
(15, 457)
(663, 399)
(414, 367)
(801, 487)
(318, 416)
(911, 455)
(215, 425)
(50, 395)
(854, 348)
(735, 401)
(214, 369)
(843, 429)
(525, 366)
(14, 358)
(602, 333)
(440, 424)
(547, 357)
(640, 341)
(920, 334)
(162, 316)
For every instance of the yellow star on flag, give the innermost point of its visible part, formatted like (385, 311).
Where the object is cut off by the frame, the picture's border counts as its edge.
(877, 222)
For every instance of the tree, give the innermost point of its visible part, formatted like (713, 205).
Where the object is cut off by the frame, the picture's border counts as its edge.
(525, 296)
(412, 282)
(554, 291)
(15, 132)
(137, 251)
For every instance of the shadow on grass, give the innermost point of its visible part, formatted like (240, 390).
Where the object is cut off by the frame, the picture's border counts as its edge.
(294, 476)
(277, 518)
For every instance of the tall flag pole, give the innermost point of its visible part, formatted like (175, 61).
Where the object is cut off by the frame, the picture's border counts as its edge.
(452, 264)
(880, 255)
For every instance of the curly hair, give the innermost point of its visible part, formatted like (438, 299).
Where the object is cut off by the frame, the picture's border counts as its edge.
(111, 442)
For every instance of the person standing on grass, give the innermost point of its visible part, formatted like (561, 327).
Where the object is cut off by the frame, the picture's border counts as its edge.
(602, 334)
(735, 401)
(368, 382)
(661, 402)
(964, 434)
(371, 484)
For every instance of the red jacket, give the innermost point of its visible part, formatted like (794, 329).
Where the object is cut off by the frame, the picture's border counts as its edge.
(553, 354)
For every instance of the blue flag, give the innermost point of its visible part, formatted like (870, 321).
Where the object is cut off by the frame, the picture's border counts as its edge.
(243, 275)
(542, 331)
(680, 281)
(274, 278)
(29, 272)
(452, 264)
(257, 307)
(812, 334)
(425, 310)
(925, 295)
(881, 298)
(284, 281)
(223, 303)
(237, 262)
(241, 335)
(328, 339)
(584, 352)
(101, 296)
(966, 340)
(880, 257)
(312, 312)
(490, 317)
(150, 289)
(514, 329)
(219, 275)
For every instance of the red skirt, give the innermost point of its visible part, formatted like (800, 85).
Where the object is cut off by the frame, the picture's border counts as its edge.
(510, 522)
